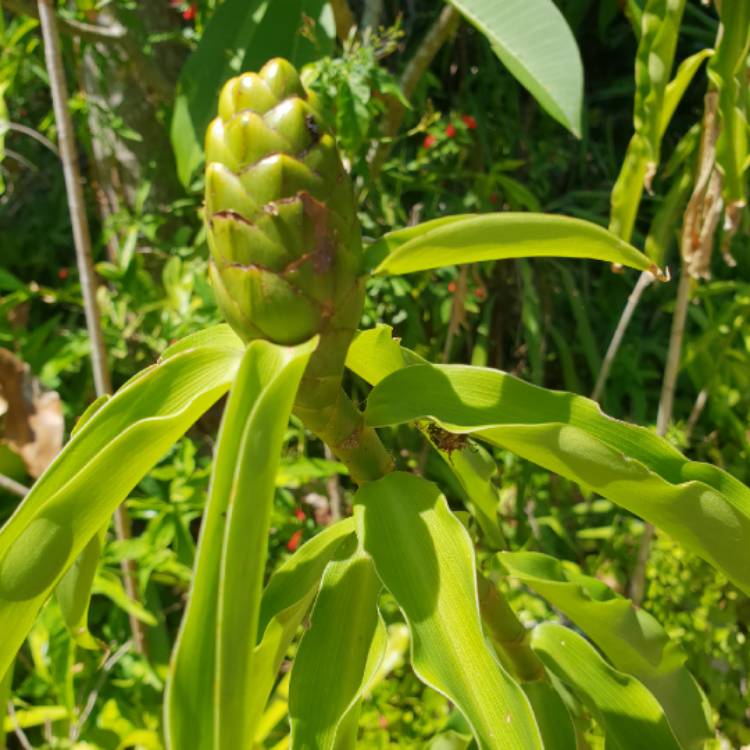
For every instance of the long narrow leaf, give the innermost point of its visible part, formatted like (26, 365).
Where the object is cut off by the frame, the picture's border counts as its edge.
(334, 659)
(94, 473)
(424, 557)
(702, 506)
(627, 712)
(205, 685)
(631, 638)
(470, 238)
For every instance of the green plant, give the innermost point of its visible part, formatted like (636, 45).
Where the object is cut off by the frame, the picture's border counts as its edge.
(275, 188)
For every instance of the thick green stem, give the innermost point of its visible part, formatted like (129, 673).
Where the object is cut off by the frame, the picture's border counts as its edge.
(508, 634)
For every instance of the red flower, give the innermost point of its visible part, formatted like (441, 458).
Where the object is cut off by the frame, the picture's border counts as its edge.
(294, 540)
(451, 286)
(429, 141)
(190, 12)
(62, 273)
(481, 292)
(450, 130)
(300, 514)
(469, 121)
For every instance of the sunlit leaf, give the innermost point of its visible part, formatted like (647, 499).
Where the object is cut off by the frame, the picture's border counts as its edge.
(425, 558)
(77, 494)
(534, 42)
(698, 504)
(470, 238)
(627, 712)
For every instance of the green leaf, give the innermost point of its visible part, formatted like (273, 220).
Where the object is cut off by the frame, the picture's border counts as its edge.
(212, 669)
(425, 558)
(533, 40)
(698, 504)
(627, 712)
(339, 653)
(676, 88)
(241, 35)
(102, 463)
(469, 238)
(285, 602)
(6, 686)
(630, 638)
(552, 716)
(74, 591)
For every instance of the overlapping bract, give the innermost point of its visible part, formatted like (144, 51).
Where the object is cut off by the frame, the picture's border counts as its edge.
(282, 227)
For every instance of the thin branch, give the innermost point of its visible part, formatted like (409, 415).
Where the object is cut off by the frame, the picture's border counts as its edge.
(695, 413)
(82, 240)
(94, 32)
(614, 345)
(15, 488)
(440, 31)
(637, 587)
(35, 134)
(23, 740)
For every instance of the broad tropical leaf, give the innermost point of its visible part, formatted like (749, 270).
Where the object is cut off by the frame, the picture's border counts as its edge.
(469, 238)
(698, 504)
(212, 671)
(77, 494)
(425, 558)
(631, 638)
(533, 40)
(627, 712)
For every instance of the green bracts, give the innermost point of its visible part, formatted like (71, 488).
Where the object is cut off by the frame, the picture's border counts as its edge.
(282, 225)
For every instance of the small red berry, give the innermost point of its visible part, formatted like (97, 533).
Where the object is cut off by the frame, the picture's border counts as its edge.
(481, 292)
(450, 130)
(294, 541)
(62, 273)
(429, 141)
(299, 514)
(469, 121)
(451, 286)
(190, 12)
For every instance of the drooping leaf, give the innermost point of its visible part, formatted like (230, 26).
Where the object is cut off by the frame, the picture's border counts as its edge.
(627, 712)
(241, 35)
(630, 638)
(77, 494)
(535, 43)
(212, 669)
(424, 556)
(698, 504)
(470, 238)
(339, 653)
(678, 85)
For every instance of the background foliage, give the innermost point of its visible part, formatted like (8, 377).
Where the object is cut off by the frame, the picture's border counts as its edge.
(472, 140)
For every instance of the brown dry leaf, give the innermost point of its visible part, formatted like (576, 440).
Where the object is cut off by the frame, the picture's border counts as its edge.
(33, 423)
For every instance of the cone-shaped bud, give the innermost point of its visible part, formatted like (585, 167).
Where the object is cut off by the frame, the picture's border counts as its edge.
(282, 225)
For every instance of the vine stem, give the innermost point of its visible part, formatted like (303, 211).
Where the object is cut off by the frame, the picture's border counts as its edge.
(622, 325)
(82, 241)
(664, 417)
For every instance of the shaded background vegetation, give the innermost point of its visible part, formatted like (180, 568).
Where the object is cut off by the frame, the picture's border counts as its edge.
(472, 140)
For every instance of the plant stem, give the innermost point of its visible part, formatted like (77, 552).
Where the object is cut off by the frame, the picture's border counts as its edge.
(82, 240)
(508, 633)
(614, 345)
(440, 31)
(637, 587)
(15, 488)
